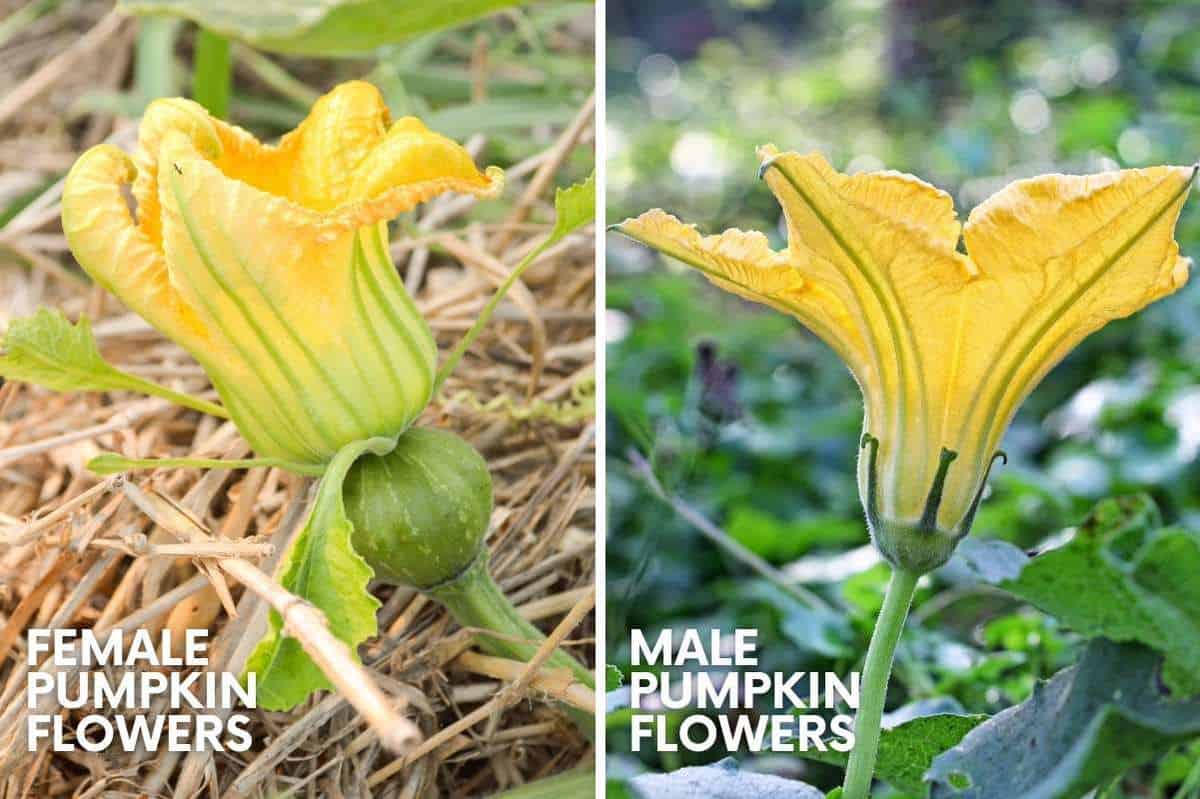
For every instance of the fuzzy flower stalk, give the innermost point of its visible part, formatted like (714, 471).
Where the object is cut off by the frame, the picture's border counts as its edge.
(944, 344)
(270, 265)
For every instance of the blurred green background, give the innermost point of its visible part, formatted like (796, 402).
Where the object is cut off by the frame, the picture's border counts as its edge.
(761, 436)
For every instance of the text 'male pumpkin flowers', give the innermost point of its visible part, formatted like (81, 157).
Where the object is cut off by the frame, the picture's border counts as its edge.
(270, 264)
(944, 345)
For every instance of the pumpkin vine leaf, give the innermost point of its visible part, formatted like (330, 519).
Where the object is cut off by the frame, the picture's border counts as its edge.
(47, 350)
(323, 568)
(1084, 727)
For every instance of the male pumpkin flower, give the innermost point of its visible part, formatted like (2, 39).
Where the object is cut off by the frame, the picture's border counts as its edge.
(944, 345)
(270, 264)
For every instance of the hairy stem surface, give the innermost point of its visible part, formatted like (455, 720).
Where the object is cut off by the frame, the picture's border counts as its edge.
(875, 675)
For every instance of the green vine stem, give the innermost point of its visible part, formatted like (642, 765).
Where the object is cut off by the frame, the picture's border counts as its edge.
(474, 599)
(875, 675)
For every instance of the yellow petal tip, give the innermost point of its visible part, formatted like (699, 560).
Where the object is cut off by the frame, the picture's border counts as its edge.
(176, 115)
(495, 183)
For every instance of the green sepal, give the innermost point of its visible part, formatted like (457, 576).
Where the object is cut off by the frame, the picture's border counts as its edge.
(921, 546)
(322, 568)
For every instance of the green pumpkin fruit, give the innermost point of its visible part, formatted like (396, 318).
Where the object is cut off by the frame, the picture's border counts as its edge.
(421, 512)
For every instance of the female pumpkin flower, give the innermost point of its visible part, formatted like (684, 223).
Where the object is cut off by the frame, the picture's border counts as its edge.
(270, 264)
(944, 345)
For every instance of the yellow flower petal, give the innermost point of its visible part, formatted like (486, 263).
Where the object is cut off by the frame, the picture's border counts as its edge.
(321, 155)
(313, 307)
(116, 252)
(270, 263)
(887, 241)
(945, 346)
(163, 117)
(744, 264)
(1060, 256)
(342, 162)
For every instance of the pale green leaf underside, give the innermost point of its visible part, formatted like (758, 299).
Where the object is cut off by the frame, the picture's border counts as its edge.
(322, 568)
(47, 350)
(321, 27)
(725, 779)
(1084, 727)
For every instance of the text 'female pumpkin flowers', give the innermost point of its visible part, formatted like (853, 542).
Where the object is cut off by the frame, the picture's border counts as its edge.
(270, 264)
(944, 345)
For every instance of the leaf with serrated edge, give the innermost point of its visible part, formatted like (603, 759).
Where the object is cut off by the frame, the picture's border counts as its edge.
(613, 678)
(47, 350)
(906, 750)
(320, 27)
(322, 568)
(573, 206)
(1124, 577)
(1085, 726)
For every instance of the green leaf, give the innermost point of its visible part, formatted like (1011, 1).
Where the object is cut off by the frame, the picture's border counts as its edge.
(1087, 725)
(212, 73)
(321, 27)
(907, 750)
(112, 463)
(47, 350)
(574, 206)
(724, 779)
(782, 541)
(322, 568)
(492, 116)
(577, 784)
(613, 678)
(1125, 577)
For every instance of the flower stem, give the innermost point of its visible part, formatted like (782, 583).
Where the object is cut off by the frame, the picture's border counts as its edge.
(474, 599)
(876, 671)
(481, 321)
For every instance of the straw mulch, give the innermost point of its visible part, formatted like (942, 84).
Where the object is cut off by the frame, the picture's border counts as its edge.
(76, 552)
